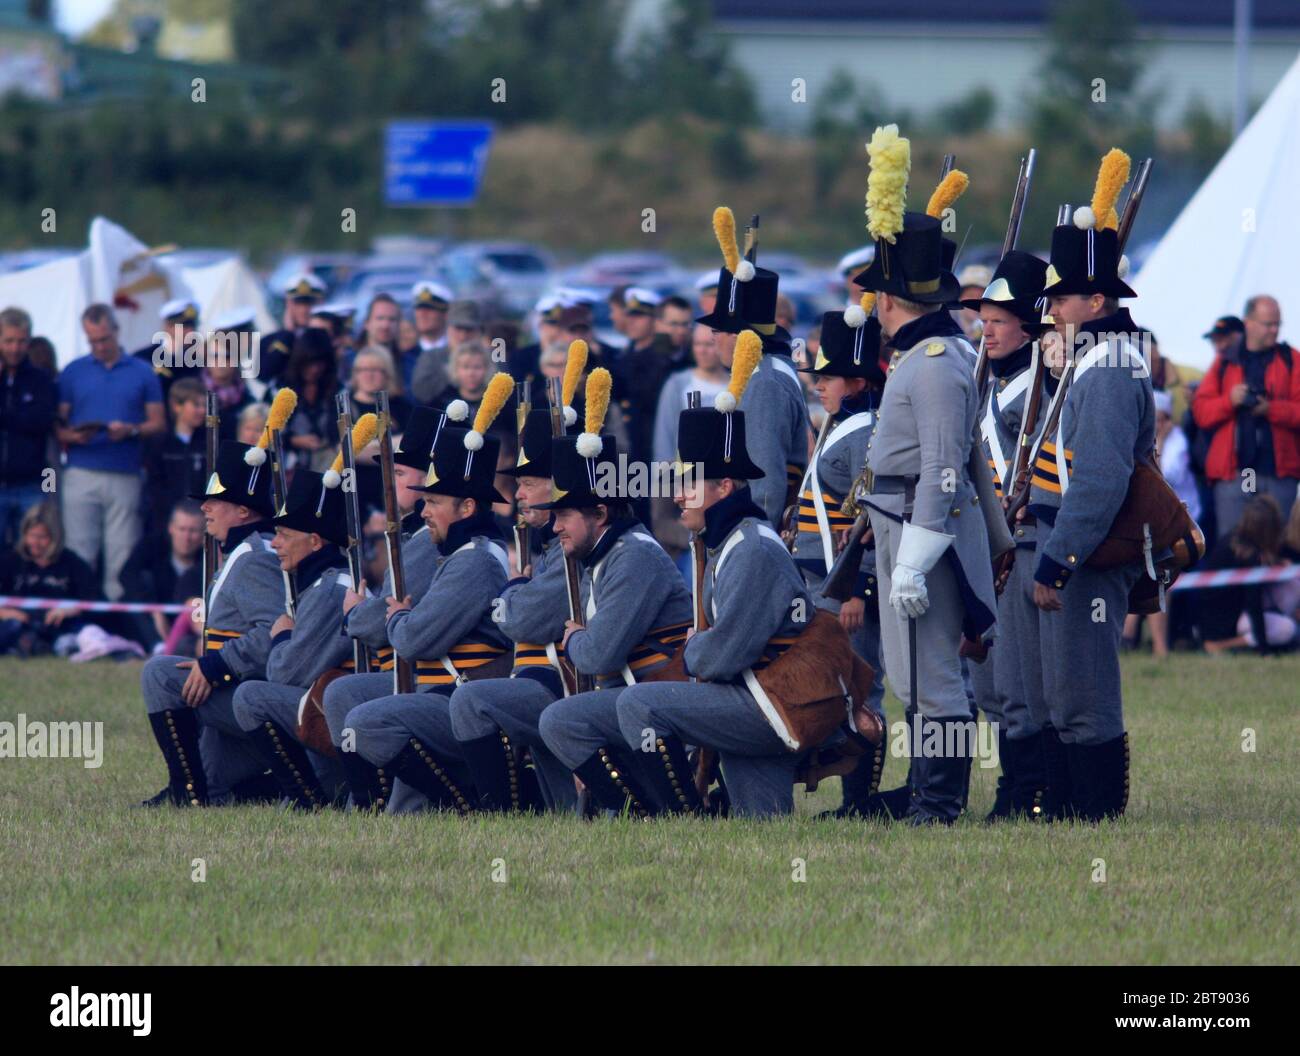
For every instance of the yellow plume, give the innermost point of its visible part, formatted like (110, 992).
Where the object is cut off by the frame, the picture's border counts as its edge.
(749, 350)
(598, 388)
(891, 159)
(1111, 178)
(364, 430)
(498, 391)
(724, 227)
(868, 302)
(573, 368)
(950, 188)
(282, 408)
(1112, 220)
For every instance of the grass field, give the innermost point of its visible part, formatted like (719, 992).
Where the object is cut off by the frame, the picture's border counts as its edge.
(1203, 869)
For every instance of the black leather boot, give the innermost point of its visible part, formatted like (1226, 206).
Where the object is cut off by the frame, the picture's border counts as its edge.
(1056, 803)
(612, 786)
(289, 764)
(177, 733)
(940, 779)
(1006, 780)
(1029, 769)
(671, 777)
(859, 790)
(498, 772)
(371, 786)
(1099, 778)
(423, 770)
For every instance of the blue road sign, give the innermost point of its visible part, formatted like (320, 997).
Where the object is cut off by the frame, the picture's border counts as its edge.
(434, 162)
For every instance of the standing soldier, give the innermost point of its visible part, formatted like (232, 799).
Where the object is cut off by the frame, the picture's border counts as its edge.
(1081, 478)
(449, 634)
(936, 561)
(304, 292)
(636, 611)
(1009, 684)
(847, 378)
(309, 531)
(245, 599)
(180, 317)
(778, 413)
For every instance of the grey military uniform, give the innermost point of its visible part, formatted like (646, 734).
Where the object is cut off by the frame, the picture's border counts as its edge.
(777, 431)
(754, 594)
(246, 598)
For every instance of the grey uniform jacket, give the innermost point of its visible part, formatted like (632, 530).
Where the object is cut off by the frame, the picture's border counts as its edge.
(367, 620)
(630, 589)
(1000, 420)
(776, 431)
(247, 596)
(1082, 473)
(924, 432)
(532, 613)
(317, 642)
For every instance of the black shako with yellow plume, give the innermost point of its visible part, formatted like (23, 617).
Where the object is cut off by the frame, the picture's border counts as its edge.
(312, 507)
(1085, 254)
(534, 458)
(711, 440)
(585, 469)
(909, 261)
(421, 434)
(277, 418)
(746, 294)
(235, 481)
(464, 463)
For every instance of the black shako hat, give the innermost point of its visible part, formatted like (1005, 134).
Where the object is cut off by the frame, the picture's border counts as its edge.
(422, 428)
(1017, 286)
(912, 266)
(234, 480)
(848, 351)
(534, 459)
(463, 471)
(312, 507)
(711, 440)
(1085, 261)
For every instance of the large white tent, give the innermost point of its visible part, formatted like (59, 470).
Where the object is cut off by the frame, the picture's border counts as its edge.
(117, 268)
(1238, 236)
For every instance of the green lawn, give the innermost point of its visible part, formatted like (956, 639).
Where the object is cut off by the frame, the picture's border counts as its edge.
(1202, 870)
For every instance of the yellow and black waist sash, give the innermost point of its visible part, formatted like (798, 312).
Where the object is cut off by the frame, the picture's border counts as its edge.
(464, 657)
(658, 647)
(529, 654)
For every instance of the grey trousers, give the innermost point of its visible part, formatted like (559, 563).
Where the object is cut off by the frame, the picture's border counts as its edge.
(101, 511)
(1081, 655)
(385, 726)
(258, 702)
(940, 687)
(1009, 684)
(350, 691)
(1230, 499)
(574, 727)
(758, 768)
(514, 706)
(228, 755)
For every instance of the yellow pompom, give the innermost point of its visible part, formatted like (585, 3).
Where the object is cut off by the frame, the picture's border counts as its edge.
(364, 430)
(1111, 178)
(950, 188)
(498, 391)
(573, 368)
(599, 385)
(891, 159)
(724, 227)
(868, 302)
(282, 408)
(749, 350)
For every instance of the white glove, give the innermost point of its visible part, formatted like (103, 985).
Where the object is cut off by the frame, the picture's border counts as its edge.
(919, 551)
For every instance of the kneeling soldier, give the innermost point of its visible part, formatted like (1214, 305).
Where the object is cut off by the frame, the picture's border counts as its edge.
(637, 613)
(449, 634)
(246, 598)
(309, 531)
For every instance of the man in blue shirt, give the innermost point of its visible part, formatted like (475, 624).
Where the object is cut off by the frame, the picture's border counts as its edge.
(108, 401)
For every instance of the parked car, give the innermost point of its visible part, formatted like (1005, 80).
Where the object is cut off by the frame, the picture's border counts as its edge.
(506, 278)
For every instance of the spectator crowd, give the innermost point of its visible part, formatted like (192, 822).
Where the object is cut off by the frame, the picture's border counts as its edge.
(99, 460)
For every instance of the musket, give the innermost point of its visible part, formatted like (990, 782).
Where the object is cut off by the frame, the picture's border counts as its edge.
(352, 508)
(1018, 201)
(211, 549)
(751, 240)
(1131, 205)
(579, 682)
(705, 758)
(843, 574)
(522, 534)
(279, 490)
(403, 673)
(789, 518)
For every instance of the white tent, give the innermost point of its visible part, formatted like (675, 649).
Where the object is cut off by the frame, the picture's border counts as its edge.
(117, 268)
(1238, 236)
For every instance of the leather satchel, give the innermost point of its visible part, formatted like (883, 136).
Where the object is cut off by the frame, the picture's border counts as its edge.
(1151, 520)
(312, 729)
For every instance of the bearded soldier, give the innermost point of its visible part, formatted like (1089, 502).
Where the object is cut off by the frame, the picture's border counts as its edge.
(309, 531)
(1009, 684)
(932, 546)
(635, 606)
(244, 601)
(1081, 478)
(778, 413)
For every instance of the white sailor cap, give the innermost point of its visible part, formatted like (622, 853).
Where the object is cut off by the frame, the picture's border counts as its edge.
(857, 259)
(577, 296)
(336, 309)
(706, 280)
(234, 318)
(639, 299)
(975, 275)
(180, 310)
(430, 294)
(305, 286)
(548, 307)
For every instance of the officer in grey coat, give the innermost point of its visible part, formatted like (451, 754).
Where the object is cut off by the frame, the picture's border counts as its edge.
(1081, 478)
(495, 720)
(932, 546)
(309, 530)
(247, 596)
(449, 633)
(847, 378)
(636, 612)
(757, 603)
(1009, 684)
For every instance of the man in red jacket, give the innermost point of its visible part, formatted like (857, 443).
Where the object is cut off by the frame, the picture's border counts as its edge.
(1250, 399)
